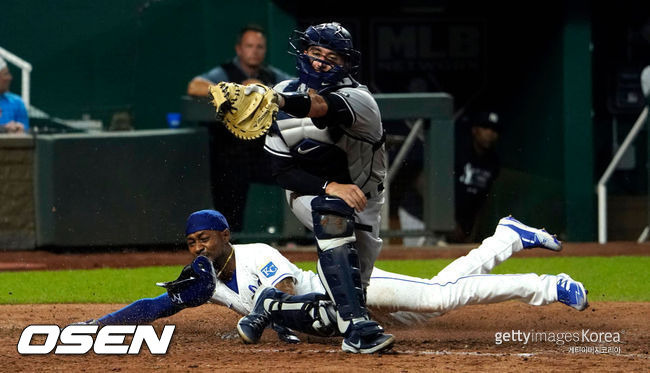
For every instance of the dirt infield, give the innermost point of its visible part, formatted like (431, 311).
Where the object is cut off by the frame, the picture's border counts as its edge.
(462, 340)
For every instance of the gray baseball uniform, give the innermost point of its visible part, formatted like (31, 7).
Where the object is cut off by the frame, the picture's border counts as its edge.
(345, 154)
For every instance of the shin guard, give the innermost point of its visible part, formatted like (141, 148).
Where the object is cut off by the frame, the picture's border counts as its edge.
(311, 313)
(338, 262)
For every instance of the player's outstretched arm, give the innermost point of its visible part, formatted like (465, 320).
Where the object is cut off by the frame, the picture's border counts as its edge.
(193, 287)
(199, 87)
(142, 311)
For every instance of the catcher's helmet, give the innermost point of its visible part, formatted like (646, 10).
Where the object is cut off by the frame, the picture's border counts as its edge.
(327, 35)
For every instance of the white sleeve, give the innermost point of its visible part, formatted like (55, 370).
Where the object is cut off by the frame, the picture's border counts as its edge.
(272, 267)
(224, 296)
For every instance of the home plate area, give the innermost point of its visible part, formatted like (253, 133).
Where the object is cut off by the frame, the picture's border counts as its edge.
(463, 340)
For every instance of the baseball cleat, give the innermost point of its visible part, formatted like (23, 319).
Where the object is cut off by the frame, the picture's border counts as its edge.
(532, 237)
(571, 292)
(367, 337)
(251, 327)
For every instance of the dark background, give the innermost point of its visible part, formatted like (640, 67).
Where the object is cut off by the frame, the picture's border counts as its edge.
(562, 75)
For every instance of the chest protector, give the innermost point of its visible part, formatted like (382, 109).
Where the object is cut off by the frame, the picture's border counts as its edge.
(364, 159)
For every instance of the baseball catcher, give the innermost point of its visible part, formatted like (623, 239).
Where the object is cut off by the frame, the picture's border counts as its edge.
(327, 152)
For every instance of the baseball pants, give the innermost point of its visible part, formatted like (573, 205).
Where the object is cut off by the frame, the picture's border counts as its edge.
(465, 281)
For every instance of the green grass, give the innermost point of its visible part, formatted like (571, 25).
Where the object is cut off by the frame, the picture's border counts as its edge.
(621, 278)
(84, 286)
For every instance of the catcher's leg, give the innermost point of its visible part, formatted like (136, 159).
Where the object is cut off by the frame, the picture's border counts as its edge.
(338, 269)
(368, 243)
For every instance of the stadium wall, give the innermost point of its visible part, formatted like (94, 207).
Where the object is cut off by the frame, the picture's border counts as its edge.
(546, 72)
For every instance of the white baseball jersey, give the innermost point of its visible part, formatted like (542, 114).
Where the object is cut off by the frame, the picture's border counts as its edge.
(258, 265)
(402, 298)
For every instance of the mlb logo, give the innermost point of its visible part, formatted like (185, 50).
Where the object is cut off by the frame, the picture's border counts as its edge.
(269, 270)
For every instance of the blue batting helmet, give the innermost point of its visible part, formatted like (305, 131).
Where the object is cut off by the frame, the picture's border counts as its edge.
(327, 35)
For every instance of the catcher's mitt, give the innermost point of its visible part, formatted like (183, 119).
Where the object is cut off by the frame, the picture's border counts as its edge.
(247, 111)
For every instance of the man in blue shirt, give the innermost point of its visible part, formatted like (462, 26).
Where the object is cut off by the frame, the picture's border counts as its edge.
(13, 115)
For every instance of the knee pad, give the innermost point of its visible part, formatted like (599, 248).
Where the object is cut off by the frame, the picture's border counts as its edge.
(333, 222)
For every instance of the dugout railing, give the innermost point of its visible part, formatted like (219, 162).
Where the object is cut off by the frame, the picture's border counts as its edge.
(433, 115)
(601, 187)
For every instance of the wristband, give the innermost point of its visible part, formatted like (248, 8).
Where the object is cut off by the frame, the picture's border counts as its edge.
(296, 104)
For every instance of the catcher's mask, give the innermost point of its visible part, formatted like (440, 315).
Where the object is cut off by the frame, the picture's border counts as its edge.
(332, 36)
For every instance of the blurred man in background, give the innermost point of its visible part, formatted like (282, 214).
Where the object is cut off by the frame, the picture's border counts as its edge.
(476, 167)
(13, 114)
(245, 68)
(235, 163)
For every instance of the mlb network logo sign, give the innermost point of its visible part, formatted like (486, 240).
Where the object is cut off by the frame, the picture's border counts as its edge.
(79, 339)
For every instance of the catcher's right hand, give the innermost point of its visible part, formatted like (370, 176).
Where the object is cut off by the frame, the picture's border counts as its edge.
(246, 111)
